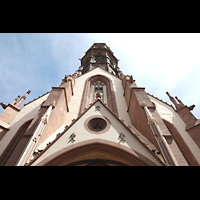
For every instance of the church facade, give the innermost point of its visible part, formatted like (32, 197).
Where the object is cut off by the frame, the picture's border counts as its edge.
(98, 117)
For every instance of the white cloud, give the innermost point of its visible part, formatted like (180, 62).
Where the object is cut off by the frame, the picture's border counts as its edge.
(158, 62)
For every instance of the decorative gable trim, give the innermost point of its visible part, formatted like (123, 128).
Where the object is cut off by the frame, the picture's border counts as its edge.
(120, 121)
(110, 93)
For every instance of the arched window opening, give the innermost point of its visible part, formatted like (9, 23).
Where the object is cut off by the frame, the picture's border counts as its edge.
(98, 91)
(98, 87)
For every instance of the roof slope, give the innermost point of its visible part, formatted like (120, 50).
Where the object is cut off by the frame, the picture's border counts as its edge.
(133, 138)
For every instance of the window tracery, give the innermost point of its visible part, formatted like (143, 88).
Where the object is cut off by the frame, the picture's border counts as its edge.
(98, 90)
(98, 87)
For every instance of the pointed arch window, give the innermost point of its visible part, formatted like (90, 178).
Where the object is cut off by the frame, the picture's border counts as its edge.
(99, 87)
(98, 91)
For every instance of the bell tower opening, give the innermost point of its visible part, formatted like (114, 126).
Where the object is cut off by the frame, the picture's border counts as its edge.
(99, 54)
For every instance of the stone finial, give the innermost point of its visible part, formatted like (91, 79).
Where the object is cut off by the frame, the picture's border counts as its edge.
(131, 79)
(4, 106)
(191, 107)
(173, 101)
(180, 102)
(17, 104)
(15, 100)
(169, 95)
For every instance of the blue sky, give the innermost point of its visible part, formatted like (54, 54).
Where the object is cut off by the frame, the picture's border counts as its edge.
(159, 62)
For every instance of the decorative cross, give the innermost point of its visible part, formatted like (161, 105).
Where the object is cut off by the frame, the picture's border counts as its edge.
(97, 108)
(71, 137)
(121, 137)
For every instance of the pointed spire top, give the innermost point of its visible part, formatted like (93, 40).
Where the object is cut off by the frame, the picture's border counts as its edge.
(17, 104)
(15, 100)
(180, 104)
(173, 101)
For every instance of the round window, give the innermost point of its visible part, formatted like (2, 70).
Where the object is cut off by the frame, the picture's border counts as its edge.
(97, 124)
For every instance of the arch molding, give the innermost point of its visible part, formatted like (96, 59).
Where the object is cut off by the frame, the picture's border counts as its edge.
(99, 150)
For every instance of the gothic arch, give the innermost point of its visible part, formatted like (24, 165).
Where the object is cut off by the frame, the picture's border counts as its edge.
(96, 150)
(111, 101)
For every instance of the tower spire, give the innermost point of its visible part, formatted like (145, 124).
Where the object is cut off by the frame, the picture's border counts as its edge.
(99, 54)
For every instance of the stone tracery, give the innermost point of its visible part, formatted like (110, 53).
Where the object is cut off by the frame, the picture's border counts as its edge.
(99, 87)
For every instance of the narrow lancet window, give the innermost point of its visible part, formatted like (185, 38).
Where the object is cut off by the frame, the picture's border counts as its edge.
(98, 87)
(98, 92)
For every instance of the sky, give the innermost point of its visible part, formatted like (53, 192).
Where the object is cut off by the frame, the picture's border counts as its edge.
(160, 62)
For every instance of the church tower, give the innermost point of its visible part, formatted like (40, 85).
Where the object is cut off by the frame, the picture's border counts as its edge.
(98, 117)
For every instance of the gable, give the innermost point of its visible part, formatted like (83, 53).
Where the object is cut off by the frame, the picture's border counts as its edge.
(84, 129)
(75, 102)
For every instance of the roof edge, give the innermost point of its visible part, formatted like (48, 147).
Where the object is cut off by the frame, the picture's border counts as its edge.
(160, 100)
(79, 116)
